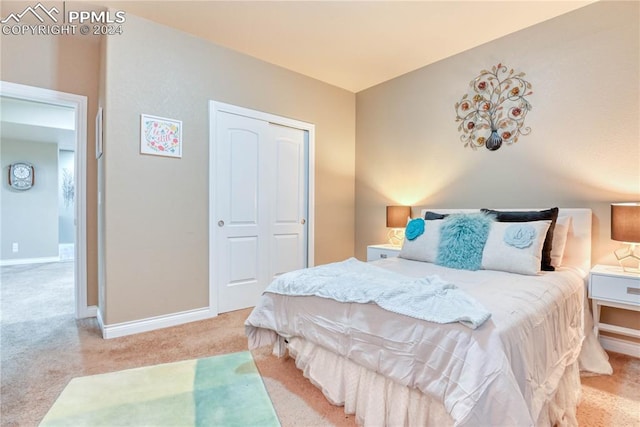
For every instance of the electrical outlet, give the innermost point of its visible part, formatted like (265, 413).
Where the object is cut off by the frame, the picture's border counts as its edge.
(15, 247)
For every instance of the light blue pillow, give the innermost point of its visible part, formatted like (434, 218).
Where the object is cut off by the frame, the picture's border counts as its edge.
(520, 235)
(515, 247)
(462, 239)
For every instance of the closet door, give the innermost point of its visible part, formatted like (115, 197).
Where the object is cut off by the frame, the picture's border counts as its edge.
(260, 207)
(288, 204)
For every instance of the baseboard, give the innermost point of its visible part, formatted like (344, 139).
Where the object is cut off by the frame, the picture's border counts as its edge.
(22, 261)
(152, 323)
(90, 311)
(620, 346)
(100, 322)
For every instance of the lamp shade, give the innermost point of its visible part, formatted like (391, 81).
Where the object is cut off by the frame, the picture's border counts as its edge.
(397, 216)
(625, 222)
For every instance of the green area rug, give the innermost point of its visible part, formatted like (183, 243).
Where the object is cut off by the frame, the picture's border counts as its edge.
(222, 390)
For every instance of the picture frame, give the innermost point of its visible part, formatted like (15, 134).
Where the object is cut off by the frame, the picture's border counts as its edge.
(160, 136)
(99, 133)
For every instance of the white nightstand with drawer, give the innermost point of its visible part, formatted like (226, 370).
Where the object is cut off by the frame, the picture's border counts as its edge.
(611, 287)
(375, 252)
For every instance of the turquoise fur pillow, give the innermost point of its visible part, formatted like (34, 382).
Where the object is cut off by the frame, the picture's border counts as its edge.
(462, 239)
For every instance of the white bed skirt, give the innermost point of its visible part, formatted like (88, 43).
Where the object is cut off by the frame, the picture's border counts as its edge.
(378, 401)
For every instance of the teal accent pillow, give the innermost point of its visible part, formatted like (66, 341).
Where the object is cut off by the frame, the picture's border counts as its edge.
(462, 239)
(414, 229)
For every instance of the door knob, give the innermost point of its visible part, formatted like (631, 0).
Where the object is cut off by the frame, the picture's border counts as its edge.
(221, 223)
(303, 221)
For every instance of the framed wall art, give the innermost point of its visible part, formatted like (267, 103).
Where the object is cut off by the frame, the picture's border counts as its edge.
(160, 136)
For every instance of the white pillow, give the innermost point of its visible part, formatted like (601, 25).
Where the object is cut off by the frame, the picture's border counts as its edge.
(560, 233)
(515, 247)
(425, 246)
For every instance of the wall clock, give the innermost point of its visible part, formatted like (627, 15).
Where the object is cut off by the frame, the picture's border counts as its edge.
(21, 176)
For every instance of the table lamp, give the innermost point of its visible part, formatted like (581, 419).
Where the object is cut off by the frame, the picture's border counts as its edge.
(397, 217)
(625, 227)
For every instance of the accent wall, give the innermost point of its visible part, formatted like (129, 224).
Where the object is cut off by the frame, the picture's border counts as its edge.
(584, 145)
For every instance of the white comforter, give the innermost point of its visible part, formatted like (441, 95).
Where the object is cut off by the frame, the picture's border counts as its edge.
(426, 298)
(499, 374)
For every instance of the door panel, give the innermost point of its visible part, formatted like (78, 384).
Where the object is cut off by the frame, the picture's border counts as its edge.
(243, 170)
(243, 260)
(287, 181)
(286, 255)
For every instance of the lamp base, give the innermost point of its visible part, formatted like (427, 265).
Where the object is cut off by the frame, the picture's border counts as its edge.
(629, 258)
(396, 236)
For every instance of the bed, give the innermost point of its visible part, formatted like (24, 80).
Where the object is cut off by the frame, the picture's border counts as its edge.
(518, 366)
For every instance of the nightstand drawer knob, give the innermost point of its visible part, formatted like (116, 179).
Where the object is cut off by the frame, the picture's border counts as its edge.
(633, 291)
(383, 255)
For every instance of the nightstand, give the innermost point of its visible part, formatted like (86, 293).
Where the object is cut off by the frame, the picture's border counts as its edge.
(375, 252)
(612, 287)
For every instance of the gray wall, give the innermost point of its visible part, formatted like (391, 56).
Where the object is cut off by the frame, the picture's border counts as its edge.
(583, 150)
(30, 217)
(156, 208)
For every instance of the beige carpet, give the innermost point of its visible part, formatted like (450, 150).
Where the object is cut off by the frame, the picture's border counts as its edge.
(43, 349)
(612, 400)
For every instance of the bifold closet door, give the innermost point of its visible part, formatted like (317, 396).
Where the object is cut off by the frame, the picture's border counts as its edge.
(260, 206)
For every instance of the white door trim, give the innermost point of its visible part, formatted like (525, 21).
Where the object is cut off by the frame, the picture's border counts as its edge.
(79, 103)
(214, 108)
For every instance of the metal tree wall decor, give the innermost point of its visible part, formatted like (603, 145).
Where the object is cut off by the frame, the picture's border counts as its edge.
(494, 109)
(68, 187)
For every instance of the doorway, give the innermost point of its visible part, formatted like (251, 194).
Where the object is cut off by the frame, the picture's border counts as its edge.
(260, 202)
(70, 217)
